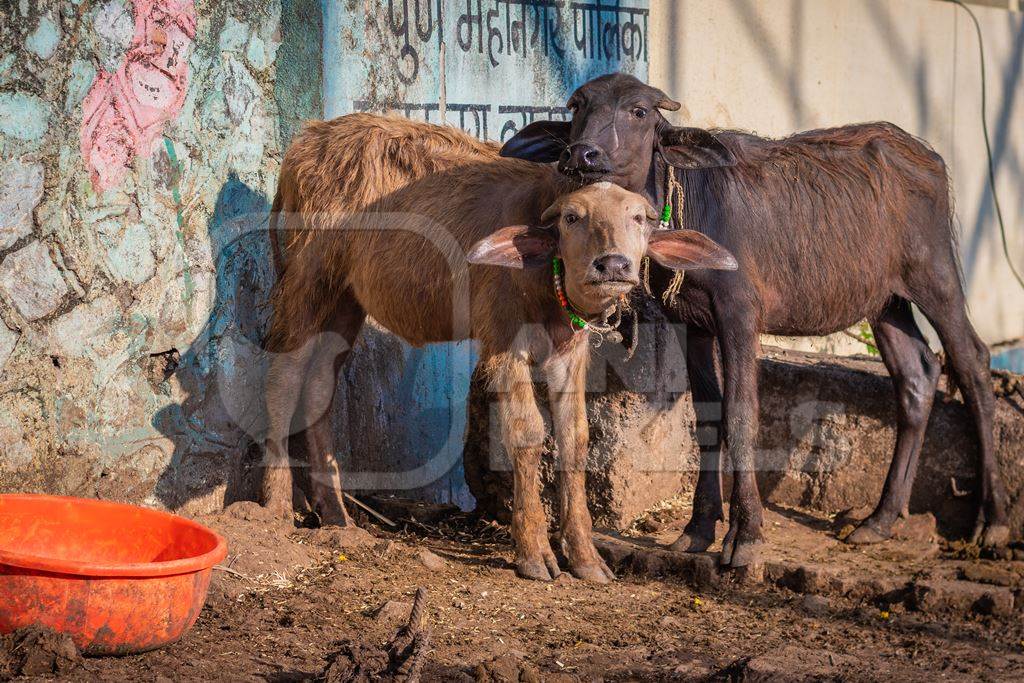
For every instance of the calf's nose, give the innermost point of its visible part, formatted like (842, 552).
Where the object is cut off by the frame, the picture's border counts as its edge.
(613, 267)
(583, 157)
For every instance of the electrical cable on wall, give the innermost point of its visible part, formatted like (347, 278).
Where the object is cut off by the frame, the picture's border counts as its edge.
(988, 144)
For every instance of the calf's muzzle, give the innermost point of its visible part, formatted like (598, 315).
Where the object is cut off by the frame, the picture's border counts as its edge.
(612, 268)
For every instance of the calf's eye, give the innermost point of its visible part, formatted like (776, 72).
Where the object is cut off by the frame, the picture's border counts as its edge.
(639, 112)
(571, 218)
(638, 218)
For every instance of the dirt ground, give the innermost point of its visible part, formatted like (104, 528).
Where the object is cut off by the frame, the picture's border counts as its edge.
(287, 598)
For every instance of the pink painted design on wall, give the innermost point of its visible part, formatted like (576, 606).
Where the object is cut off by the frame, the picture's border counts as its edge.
(125, 111)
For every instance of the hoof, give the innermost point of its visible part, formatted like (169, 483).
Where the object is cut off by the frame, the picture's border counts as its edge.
(741, 548)
(534, 558)
(595, 572)
(867, 534)
(336, 518)
(744, 554)
(279, 509)
(692, 543)
(584, 561)
(537, 569)
(992, 536)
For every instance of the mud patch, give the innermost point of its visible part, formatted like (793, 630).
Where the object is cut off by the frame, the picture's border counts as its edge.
(263, 551)
(400, 660)
(506, 669)
(37, 652)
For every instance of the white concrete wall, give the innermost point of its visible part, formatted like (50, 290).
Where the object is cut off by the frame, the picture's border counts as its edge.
(779, 66)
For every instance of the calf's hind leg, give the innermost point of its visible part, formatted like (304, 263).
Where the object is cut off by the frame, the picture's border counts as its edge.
(969, 359)
(285, 380)
(303, 380)
(915, 374)
(332, 349)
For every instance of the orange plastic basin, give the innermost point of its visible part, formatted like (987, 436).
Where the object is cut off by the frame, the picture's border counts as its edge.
(117, 578)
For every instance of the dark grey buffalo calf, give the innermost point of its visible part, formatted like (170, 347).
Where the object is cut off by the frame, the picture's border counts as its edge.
(829, 227)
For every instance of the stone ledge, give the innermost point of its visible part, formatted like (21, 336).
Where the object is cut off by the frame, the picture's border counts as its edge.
(826, 440)
(926, 594)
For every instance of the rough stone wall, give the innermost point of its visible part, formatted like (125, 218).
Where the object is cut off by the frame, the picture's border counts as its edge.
(828, 428)
(139, 144)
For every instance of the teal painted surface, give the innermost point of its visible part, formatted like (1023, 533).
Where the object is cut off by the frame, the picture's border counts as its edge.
(505, 63)
(43, 41)
(297, 85)
(1012, 360)
(79, 80)
(22, 116)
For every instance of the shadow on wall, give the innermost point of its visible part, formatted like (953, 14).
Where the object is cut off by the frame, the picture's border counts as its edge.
(1003, 157)
(221, 376)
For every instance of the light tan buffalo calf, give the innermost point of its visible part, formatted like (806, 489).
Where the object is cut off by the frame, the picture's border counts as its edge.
(439, 239)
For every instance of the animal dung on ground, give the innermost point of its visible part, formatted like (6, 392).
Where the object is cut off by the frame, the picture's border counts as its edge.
(400, 660)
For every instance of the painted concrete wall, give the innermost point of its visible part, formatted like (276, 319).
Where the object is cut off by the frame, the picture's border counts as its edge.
(779, 66)
(140, 141)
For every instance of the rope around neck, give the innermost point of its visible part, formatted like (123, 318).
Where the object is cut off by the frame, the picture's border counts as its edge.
(669, 296)
(672, 187)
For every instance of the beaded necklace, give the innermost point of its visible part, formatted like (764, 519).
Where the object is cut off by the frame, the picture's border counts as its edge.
(558, 269)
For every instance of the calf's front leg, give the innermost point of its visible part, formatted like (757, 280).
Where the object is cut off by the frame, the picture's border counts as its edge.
(699, 533)
(566, 378)
(522, 434)
(739, 340)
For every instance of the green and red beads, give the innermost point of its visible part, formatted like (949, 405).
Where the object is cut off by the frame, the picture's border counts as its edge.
(558, 269)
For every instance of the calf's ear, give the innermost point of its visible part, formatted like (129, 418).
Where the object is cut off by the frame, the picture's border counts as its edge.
(517, 246)
(541, 141)
(689, 250)
(694, 148)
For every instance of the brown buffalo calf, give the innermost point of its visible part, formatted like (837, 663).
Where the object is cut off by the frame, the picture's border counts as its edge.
(438, 239)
